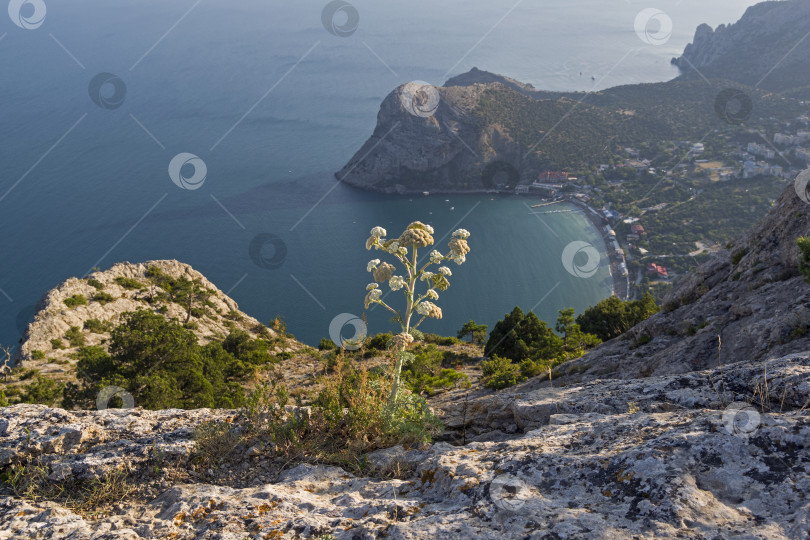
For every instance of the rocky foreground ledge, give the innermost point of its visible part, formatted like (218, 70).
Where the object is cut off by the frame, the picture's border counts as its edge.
(682, 460)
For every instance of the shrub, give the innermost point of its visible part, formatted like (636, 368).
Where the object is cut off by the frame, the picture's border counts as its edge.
(326, 344)
(441, 340)
(76, 300)
(42, 391)
(28, 373)
(380, 342)
(737, 256)
(95, 283)
(3, 399)
(501, 373)
(423, 372)
(128, 283)
(262, 331)
(161, 364)
(97, 326)
(350, 415)
(57, 344)
(103, 298)
(37, 354)
(75, 337)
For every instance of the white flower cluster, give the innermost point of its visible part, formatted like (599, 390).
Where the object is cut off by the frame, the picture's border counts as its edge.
(436, 257)
(445, 271)
(379, 232)
(396, 283)
(371, 286)
(426, 276)
(458, 258)
(393, 248)
(429, 229)
(429, 309)
(372, 264)
(374, 295)
(433, 295)
(461, 233)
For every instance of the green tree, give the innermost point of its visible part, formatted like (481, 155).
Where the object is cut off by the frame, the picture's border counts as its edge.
(521, 336)
(161, 364)
(476, 332)
(612, 317)
(565, 324)
(575, 341)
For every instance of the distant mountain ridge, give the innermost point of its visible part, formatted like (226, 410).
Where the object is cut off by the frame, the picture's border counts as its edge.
(769, 48)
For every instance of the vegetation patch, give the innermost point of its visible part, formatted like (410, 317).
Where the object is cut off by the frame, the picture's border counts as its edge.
(75, 300)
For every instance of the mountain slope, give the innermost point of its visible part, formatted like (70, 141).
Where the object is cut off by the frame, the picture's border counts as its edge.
(748, 303)
(768, 47)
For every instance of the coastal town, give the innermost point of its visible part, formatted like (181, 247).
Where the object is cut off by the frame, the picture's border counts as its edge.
(625, 198)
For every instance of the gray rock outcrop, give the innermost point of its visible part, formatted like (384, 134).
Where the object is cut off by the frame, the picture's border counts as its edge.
(54, 318)
(663, 457)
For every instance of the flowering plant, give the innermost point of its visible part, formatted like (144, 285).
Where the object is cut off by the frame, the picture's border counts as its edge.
(405, 249)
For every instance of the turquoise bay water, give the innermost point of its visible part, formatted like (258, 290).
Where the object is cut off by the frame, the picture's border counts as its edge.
(82, 186)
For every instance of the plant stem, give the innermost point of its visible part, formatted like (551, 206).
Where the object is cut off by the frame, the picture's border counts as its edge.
(406, 327)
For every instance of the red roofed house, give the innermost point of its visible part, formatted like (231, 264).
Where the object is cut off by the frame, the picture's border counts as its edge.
(657, 270)
(637, 229)
(552, 176)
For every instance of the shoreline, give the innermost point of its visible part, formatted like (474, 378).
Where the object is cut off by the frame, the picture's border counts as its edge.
(621, 283)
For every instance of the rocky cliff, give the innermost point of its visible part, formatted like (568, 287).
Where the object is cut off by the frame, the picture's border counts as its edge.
(767, 47)
(664, 457)
(438, 148)
(94, 306)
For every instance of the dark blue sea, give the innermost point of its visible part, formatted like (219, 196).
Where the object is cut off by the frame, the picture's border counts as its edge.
(273, 103)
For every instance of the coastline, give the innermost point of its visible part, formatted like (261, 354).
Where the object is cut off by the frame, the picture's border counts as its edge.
(621, 284)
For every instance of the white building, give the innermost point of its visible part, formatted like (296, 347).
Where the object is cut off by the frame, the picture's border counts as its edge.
(760, 150)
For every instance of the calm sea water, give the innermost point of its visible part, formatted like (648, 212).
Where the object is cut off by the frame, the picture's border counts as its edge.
(274, 104)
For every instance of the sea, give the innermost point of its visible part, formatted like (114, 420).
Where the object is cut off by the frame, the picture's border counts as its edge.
(209, 132)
